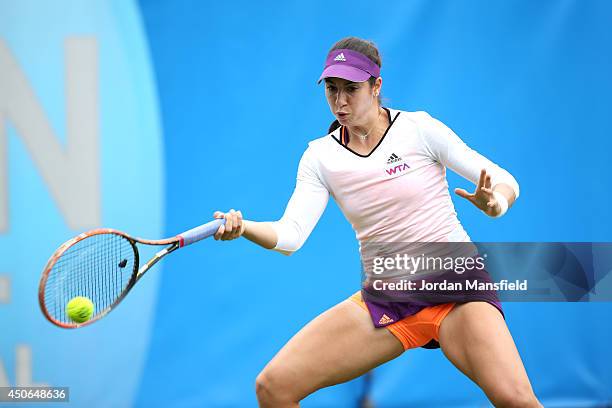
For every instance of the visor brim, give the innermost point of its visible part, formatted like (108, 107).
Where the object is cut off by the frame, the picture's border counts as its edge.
(345, 72)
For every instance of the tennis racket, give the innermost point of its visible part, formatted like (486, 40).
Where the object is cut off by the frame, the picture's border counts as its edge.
(102, 265)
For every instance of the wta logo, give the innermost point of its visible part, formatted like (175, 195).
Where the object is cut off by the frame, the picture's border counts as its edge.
(396, 170)
(395, 166)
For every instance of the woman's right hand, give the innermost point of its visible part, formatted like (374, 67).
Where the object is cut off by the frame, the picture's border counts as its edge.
(234, 225)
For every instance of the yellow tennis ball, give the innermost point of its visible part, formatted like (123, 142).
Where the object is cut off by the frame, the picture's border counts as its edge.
(80, 309)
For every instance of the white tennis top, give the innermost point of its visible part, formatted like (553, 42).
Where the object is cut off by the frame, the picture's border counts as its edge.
(397, 193)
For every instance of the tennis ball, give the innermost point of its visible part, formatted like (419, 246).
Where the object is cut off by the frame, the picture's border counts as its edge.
(80, 309)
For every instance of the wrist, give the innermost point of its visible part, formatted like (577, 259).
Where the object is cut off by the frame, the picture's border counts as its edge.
(244, 227)
(502, 201)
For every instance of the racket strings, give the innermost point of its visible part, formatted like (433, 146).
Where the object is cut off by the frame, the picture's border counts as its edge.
(99, 267)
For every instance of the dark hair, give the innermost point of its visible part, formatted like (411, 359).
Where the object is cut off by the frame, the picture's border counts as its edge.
(365, 47)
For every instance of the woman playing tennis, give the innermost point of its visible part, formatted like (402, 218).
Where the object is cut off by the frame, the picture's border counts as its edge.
(386, 169)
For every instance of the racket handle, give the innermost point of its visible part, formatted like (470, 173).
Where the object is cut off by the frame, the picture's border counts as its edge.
(199, 233)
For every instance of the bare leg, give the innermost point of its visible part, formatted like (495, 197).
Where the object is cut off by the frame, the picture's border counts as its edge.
(475, 338)
(337, 346)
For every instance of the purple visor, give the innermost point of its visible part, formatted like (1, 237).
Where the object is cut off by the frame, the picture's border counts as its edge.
(350, 65)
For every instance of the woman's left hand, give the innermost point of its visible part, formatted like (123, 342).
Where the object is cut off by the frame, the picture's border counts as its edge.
(483, 197)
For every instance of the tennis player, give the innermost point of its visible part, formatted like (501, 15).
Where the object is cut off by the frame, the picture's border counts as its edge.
(386, 169)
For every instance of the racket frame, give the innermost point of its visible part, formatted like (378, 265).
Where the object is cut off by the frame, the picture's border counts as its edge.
(186, 238)
(137, 272)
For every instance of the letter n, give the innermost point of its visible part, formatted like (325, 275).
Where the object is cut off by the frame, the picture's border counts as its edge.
(70, 170)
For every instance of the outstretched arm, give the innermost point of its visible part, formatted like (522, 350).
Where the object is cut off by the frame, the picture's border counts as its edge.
(496, 189)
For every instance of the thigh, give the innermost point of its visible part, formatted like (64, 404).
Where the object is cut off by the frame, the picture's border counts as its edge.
(475, 338)
(337, 346)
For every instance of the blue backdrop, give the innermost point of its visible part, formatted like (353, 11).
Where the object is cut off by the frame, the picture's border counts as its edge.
(205, 105)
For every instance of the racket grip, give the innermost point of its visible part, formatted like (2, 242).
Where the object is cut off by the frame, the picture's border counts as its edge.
(199, 233)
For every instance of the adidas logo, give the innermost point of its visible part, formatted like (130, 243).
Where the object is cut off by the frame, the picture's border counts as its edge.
(393, 158)
(385, 319)
(340, 57)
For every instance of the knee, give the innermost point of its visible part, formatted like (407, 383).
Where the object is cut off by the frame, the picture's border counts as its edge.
(516, 397)
(272, 388)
